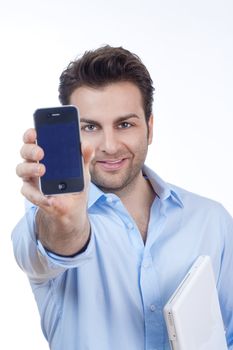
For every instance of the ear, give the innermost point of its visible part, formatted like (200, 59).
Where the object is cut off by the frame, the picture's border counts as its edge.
(150, 129)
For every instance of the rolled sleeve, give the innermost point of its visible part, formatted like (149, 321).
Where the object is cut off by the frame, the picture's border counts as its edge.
(67, 262)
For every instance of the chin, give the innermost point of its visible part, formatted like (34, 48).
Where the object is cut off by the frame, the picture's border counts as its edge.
(109, 187)
(115, 181)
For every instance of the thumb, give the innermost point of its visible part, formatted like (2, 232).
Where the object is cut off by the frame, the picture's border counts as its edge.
(88, 154)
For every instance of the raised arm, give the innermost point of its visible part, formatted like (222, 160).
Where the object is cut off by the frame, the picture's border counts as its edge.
(61, 222)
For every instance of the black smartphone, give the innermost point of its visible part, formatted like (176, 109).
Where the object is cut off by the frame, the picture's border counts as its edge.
(58, 134)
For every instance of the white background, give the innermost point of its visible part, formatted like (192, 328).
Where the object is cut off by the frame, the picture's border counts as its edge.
(188, 49)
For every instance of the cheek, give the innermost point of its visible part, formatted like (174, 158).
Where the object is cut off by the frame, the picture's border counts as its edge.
(137, 139)
(138, 146)
(89, 138)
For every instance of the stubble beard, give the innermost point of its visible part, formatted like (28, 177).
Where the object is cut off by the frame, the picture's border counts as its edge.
(119, 181)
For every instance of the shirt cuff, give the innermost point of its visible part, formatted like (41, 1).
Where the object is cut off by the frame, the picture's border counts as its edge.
(68, 261)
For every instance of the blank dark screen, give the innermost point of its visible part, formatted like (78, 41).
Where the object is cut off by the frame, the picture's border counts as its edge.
(61, 148)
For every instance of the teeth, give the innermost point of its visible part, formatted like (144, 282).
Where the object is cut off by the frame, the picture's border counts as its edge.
(113, 161)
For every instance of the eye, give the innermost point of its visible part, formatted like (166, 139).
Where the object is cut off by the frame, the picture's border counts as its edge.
(89, 127)
(124, 125)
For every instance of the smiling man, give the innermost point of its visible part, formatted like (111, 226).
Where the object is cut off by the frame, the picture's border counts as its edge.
(102, 263)
(113, 122)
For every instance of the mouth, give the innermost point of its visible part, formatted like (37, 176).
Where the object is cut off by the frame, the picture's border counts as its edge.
(112, 164)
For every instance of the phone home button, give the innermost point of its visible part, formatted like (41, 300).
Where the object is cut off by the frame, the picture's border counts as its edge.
(62, 186)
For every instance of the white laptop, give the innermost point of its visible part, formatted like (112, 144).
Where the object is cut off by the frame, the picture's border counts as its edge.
(192, 314)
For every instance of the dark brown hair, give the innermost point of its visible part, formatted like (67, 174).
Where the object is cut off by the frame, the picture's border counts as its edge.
(104, 66)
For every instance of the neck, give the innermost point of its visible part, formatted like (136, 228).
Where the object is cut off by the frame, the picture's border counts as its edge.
(138, 194)
(138, 201)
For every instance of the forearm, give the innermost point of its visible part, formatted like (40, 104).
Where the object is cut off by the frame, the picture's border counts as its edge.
(39, 264)
(64, 236)
(62, 226)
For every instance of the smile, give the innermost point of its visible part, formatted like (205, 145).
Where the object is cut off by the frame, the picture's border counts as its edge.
(110, 165)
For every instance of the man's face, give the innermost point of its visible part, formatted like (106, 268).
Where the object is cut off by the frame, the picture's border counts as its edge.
(113, 122)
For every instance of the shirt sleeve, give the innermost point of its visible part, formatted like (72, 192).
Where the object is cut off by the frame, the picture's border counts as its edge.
(39, 264)
(225, 282)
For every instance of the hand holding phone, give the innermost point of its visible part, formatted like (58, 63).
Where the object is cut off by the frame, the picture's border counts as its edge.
(62, 221)
(58, 134)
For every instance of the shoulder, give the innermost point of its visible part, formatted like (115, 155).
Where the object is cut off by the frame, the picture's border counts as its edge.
(198, 204)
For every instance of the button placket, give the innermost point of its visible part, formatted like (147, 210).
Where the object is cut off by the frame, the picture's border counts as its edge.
(151, 296)
(152, 307)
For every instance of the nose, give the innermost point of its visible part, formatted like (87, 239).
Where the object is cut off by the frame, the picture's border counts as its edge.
(109, 142)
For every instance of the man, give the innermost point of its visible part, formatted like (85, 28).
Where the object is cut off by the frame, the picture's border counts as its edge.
(102, 263)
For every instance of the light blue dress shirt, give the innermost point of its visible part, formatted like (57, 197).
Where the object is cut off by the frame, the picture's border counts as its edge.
(111, 296)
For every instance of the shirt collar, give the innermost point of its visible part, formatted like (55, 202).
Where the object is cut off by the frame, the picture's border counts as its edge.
(94, 194)
(163, 190)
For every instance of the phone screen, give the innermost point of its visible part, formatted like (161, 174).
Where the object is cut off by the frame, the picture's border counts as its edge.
(62, 158)
(58, 136)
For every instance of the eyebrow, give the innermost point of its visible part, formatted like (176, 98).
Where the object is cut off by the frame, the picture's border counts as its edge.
(117, 120)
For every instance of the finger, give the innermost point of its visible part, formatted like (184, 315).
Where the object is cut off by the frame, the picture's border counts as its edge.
(34, 195)
(29, 170)
(88, 153)
(53, 205)
(29, 136)
(32, 152)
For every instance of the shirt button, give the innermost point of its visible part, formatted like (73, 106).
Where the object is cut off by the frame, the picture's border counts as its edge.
(130, 225)
(152, 307)
(109, 199)
(146, 264)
